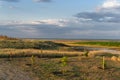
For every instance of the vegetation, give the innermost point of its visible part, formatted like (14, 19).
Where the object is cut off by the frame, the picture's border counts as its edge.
(86, 53)
(64, 63)
(49, 60)
(32, 60)
(16, 53)
(21, 44)
(100, 43)
(84, 69)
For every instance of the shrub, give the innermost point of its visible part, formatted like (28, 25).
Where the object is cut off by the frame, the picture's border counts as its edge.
(64, 61)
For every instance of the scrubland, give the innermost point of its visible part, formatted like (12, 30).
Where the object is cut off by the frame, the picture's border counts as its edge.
(22, 59)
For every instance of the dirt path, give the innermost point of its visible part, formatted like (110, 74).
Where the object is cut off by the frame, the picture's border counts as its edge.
(9, 71)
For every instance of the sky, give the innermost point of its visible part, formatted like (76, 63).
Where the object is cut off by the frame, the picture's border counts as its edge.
(70, 19)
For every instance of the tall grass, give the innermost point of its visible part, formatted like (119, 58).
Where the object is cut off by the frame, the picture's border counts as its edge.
(36, 52)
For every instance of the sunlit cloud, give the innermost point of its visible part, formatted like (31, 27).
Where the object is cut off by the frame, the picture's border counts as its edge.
(111, 4)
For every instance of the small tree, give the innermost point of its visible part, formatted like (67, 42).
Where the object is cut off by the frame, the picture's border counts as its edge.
(64, 63)
(86, 53)
(32, 60)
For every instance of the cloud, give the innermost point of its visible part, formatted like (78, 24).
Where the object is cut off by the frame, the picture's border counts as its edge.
(58, 22)
(111, 4)
(10, 0)
(72, 29)
(99, 16)
(108, 12)
(42, 0)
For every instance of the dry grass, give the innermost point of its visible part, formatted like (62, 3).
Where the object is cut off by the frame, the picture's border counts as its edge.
(50, 53)
(114, 58)
(36, 52)
(118, 59)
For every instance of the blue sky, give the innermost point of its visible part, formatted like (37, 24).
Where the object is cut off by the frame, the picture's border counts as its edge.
(78, 19)
(29, 9)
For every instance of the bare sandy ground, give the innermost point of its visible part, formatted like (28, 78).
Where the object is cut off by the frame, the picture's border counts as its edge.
(9, 71)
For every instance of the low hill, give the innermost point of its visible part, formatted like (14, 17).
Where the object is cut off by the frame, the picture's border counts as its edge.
(21, 44)
(9, 42)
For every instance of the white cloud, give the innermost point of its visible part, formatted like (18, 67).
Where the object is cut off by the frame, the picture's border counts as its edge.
(111, 4)
(59, 22)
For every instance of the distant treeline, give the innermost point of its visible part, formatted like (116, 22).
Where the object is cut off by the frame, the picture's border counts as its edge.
(4, 37)
(102, 43)
(21, 44)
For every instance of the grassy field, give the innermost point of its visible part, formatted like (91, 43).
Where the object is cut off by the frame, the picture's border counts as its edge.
(113, 44)
(101, 43)
(57, 60)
